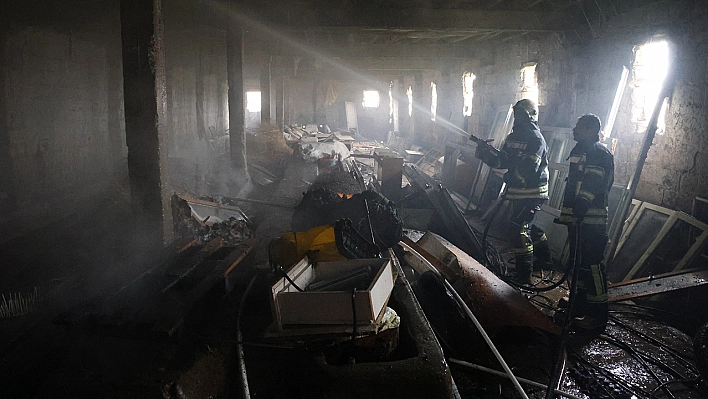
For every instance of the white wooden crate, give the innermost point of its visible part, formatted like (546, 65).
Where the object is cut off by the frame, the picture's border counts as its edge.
(317, 308)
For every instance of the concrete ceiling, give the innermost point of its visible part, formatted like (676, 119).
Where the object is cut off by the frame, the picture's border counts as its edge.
(397, 31)
(445, 21)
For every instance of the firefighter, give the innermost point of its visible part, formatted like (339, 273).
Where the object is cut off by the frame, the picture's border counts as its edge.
(524, 155)
(590, 177)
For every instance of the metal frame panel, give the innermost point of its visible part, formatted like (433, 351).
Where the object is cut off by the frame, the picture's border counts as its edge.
(659, 284)
(632, 221)
(560, 143)
(674, 216)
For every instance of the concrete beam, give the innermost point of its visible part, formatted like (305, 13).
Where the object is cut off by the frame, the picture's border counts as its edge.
(395, 65)
(389, 48)
(375, 18)
(419, 108)
(145, 97)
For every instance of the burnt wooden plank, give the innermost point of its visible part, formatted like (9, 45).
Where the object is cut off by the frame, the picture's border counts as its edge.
(658, 284)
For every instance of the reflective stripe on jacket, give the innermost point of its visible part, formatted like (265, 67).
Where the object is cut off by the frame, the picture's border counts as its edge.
(590, 178)
(525, 156)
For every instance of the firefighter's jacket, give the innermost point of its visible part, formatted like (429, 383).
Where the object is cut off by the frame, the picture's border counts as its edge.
(525, 156)
(590, 177)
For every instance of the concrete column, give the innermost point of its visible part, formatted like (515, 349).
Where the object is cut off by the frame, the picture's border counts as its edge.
(115, 99)
(404, 121)
(265, 92)
(315, 83)
(279, 99)
(237, 111)
(7, 185)
(395, 90)
(286, 101)
(450, 166)
(145, 95)
(419, 112)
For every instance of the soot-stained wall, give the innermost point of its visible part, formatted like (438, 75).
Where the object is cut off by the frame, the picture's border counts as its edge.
(675, 169)
(197, 103)
(496, 65)
(62, 135)
(320, 98)
(498, 72)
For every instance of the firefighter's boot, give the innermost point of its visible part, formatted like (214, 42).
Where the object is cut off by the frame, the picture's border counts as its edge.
(524, 265)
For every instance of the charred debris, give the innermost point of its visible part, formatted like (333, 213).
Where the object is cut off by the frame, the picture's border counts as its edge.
(351, 270)
(386, 282)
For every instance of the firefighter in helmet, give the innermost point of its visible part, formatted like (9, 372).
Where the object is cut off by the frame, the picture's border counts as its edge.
(590, 178)
(524, 155)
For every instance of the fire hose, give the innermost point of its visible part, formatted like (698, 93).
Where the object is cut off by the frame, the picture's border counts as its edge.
(576, 230)
(471, 315)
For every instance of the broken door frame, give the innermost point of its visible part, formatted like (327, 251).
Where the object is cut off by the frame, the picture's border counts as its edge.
(674, 216)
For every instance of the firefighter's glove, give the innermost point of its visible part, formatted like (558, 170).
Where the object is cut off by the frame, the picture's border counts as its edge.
(486, 153)
(481, 151)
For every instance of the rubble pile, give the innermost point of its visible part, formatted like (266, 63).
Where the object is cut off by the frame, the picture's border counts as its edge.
(186, 227)
(232, 231)
(337, 180)
(314, 142)
(370, 213)
(267, 147)
(220, 220)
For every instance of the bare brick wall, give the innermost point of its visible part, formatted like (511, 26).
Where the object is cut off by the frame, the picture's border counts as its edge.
(498, 69)
(677, 168)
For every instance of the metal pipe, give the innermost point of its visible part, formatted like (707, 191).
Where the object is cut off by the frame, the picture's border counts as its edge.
(246, 394)
(471, 315)
(626, 200)
(576, 259)
(501, 374)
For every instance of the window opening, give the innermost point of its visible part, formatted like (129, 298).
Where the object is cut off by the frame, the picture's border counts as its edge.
(371, 99)
(529, 82)
(467, 94)
(651, 64)
(433, 100)
(610, 120)
(253, 101)
(409, 94)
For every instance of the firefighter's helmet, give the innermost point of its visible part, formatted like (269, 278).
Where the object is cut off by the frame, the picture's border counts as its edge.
(529, 106)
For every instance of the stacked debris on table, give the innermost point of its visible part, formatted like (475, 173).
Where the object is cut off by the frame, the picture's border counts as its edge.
(372, 215)
(203, 219)
(215, 240)
(337, 180)
(329, 242)
(157, 302)
(268, 152)
(314, 142)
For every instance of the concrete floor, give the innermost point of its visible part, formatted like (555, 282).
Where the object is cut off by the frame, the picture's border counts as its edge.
(56, 351)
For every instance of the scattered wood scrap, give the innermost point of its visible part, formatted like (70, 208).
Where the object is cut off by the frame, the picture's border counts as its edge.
(659, 284)
(157, 303)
